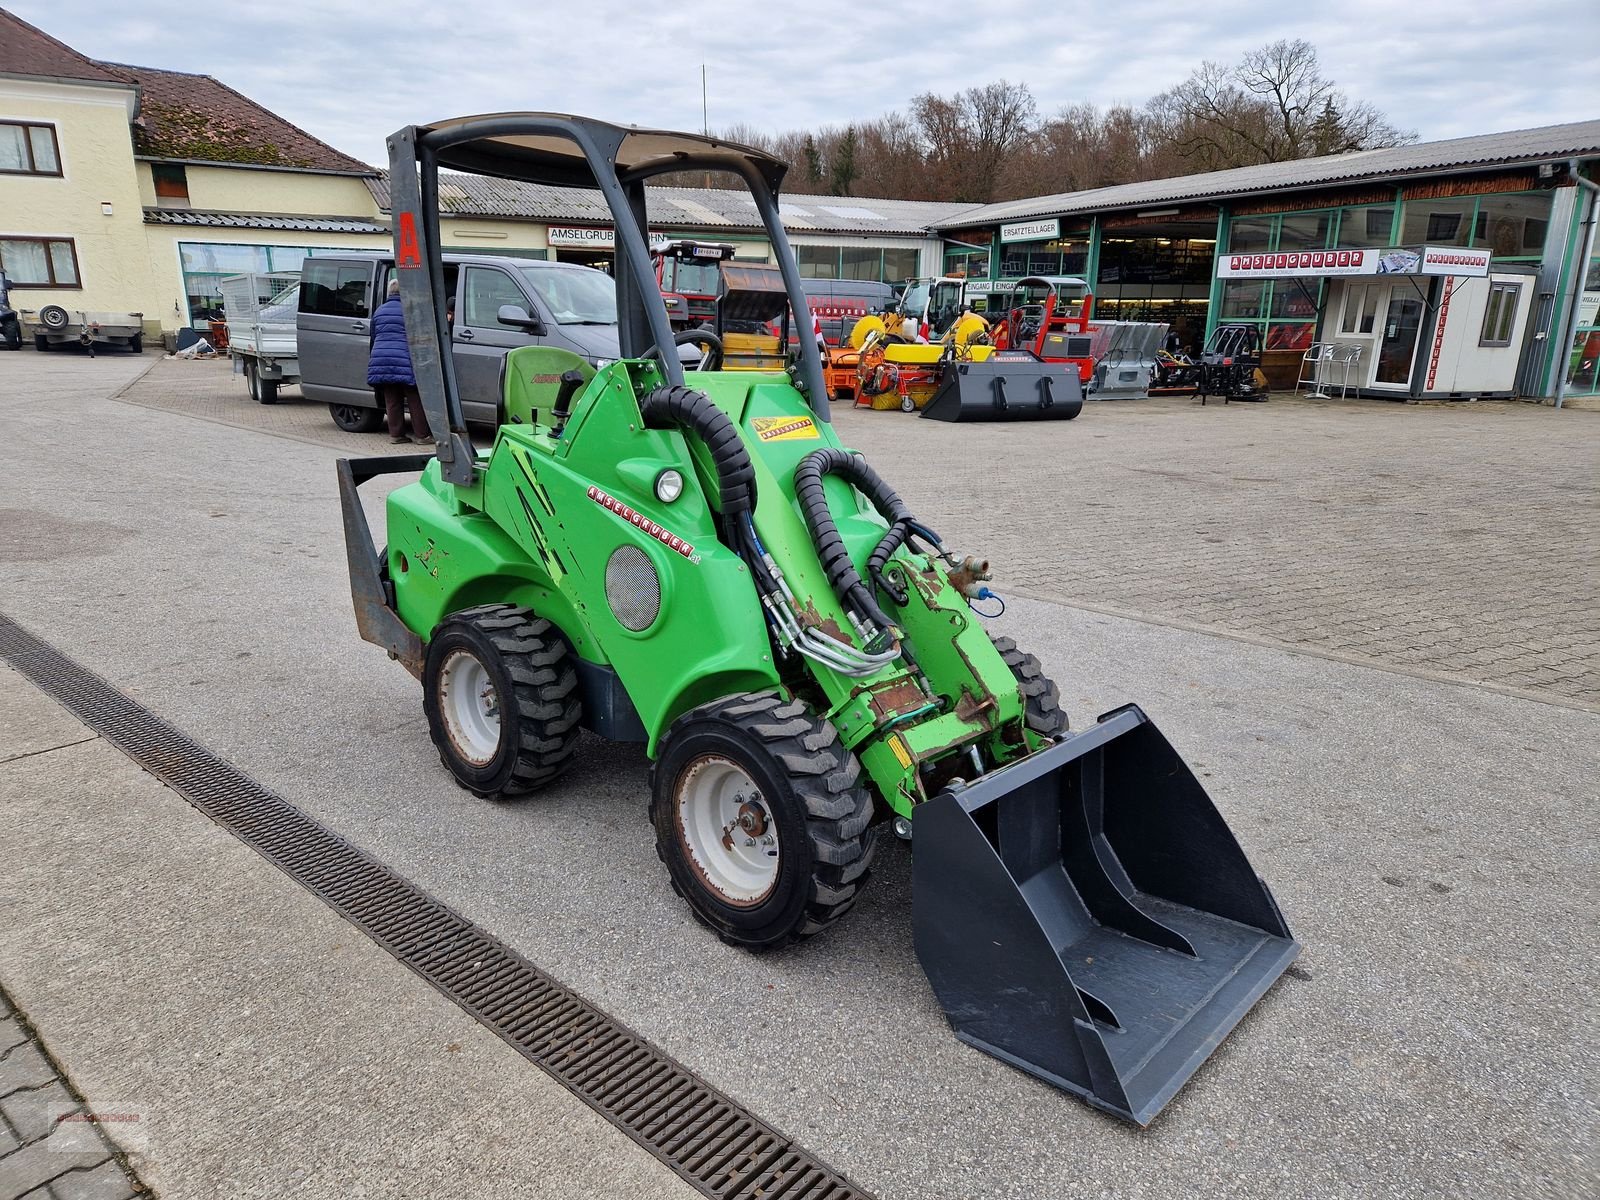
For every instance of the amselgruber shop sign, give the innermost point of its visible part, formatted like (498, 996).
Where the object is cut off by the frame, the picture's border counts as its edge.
(1400, 260)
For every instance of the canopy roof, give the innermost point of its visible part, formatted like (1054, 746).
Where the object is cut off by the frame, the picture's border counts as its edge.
(546, 148)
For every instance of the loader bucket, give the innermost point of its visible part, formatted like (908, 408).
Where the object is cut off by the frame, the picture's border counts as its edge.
(1086, 915)
(1005, 388)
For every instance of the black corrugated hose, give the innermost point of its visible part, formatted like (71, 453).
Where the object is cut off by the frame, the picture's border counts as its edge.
(678, 407)
(842, 573)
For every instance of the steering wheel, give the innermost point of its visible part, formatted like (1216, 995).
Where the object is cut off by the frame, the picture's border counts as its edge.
(712, 358)
(1029, 318)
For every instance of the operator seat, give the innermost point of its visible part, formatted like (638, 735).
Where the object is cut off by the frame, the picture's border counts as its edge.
(531, 380)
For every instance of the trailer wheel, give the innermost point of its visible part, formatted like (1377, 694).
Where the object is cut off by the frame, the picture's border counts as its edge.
(1041, 699)
(353, 418)
(41, 343)
(501, 696)
(262, 391)
(761, 818)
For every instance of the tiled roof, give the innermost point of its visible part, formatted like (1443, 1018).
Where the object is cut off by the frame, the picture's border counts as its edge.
(1580, 139)
(228, 220)
(199, 119)
(680, 208)
(25, 50)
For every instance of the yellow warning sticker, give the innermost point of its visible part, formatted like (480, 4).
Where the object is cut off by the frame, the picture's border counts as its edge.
(898, 745)
(785, 429)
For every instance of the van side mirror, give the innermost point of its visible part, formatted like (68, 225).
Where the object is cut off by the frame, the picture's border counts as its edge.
(517, 317)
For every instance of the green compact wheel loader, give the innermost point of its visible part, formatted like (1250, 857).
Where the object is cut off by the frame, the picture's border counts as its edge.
(691, 560)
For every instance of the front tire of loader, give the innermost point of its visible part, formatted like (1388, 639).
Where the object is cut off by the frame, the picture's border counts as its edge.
(761, 818)
(501, 696)
(1041, 698)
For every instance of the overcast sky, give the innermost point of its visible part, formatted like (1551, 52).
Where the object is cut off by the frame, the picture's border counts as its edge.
(352, 73)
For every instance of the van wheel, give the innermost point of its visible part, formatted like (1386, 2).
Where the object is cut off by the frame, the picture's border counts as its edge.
(354, 418)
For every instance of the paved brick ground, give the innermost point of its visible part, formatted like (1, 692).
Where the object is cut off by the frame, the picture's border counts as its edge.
(1461, 539)
(50, 1146)
(1458, 539)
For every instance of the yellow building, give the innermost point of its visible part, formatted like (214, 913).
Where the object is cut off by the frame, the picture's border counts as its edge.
(127, 189)
(133, 189)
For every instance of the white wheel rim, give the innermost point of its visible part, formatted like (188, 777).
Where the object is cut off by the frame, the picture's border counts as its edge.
(470, 706)
(728, 829)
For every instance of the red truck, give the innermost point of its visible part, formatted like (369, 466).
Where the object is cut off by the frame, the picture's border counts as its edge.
(689, 274)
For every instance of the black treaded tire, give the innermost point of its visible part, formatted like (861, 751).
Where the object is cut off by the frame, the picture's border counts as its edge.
(41, 343)
(11, 329)
(355, 418)
(812, 785)
(262, 391)
(1041, 699)
(530, 666)
(136, 342)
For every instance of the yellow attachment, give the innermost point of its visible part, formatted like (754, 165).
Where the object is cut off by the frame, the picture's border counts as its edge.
(918, 354)
(865, 328)
(750, 352)
(970, 326)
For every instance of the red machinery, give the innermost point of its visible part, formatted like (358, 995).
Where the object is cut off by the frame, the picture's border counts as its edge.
(1049, 315)
(689, 274)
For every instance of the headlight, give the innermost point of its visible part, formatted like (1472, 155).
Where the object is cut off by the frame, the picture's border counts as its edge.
(669, 486)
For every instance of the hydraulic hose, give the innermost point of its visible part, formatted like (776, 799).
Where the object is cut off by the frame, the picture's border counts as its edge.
(676, 406)
(841, 572)
(679, 407)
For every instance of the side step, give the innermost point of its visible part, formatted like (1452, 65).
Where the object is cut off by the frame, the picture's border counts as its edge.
(1087, 915)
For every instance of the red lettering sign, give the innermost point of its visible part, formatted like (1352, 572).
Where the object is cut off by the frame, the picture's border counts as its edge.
(408, 252)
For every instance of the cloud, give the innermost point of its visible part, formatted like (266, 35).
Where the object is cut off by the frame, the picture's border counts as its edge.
(351, 73)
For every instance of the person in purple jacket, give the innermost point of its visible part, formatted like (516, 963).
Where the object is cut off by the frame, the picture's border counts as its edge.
(389, 371)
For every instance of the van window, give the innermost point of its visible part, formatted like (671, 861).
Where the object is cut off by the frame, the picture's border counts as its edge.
(487, 290)
(335, 289)
(575, 297)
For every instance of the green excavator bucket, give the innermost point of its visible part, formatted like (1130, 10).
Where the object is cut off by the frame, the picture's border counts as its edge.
(1087, 915)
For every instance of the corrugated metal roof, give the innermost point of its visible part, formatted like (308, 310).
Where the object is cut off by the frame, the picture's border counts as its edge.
(227, 220)
(1579, 139)
(690, 208)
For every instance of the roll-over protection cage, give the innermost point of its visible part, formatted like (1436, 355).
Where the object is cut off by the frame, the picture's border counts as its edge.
(564, 151)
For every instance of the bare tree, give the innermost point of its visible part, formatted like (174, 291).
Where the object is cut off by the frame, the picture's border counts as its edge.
(986, 143)
(967, 138)
(1275, 104)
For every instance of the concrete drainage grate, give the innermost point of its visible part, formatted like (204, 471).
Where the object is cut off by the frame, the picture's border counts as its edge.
(714, 1144)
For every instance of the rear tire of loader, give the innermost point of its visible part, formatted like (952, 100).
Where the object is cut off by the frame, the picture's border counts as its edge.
(1041, 699)
(501, 696)
(801, 852)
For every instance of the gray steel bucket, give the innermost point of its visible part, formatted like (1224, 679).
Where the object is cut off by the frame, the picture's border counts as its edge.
(1010, 386)
(1087, 915)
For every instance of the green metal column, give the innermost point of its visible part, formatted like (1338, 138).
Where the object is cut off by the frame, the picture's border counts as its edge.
(1214, 307)
(1091, 269)
(994, 254)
